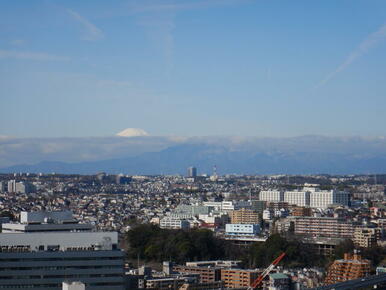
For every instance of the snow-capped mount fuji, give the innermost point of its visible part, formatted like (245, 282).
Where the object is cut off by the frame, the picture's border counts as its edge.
(132, 132)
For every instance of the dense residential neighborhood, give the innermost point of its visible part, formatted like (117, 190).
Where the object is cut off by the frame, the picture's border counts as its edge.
(239, 215)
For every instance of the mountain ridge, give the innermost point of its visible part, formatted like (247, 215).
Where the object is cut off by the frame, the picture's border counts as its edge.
(241, 159)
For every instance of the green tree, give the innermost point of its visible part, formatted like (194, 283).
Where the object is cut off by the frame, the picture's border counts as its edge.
(346, 246)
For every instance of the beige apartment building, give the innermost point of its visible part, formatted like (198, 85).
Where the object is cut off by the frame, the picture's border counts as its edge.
(323, 227)
(238, 278)
(244, 216)
(352, 266)
(366, 237)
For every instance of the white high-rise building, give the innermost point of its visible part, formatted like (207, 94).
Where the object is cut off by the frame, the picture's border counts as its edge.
(24, 187)
(192, 172)
(321, 199)
(309, 196)
(11, 186)
(19, 187)
(300, 198)
(325, 198)
(271, 195)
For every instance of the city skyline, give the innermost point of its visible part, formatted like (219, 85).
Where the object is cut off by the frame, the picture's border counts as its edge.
(192, 68)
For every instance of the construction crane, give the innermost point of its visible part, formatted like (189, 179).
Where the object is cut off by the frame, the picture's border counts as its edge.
(260, 279)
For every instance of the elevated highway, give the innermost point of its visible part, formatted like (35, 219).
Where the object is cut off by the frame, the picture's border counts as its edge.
(356, 284)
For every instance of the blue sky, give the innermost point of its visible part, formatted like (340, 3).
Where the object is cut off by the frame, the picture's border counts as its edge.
(193, 67)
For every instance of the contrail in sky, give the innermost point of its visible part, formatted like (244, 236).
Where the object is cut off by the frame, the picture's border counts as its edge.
(369, 42)
(91, 31)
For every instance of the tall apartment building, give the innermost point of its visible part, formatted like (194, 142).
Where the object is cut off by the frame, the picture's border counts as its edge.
(325, 198)
(43, 258)
(19, 187)
(323, 227)
(308, 196)
(271, 195)
(366, 237)
(11, 186)
(3, 186)
(24, 187)
(238, 278)
(192, 172)
(300, 198)
(244, 216)
(349, 268)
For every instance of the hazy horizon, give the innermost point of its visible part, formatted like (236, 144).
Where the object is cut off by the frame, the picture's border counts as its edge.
(171, 154)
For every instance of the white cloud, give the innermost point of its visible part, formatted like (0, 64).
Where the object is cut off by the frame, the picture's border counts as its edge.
(39, 56)
(33, 150)
(369, 42)
(91, 31)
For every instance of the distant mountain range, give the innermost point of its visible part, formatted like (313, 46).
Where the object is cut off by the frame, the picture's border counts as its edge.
(172, 155)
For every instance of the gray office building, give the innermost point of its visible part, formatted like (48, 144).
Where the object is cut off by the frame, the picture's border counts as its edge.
(44, 259)
(192, 171)
(3, 186)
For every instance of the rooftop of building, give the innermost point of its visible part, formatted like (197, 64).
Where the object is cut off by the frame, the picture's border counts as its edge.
(241, 270)
(37, 217)
(278, 276)
(32, 242)
(46, 221)
(353, 258)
